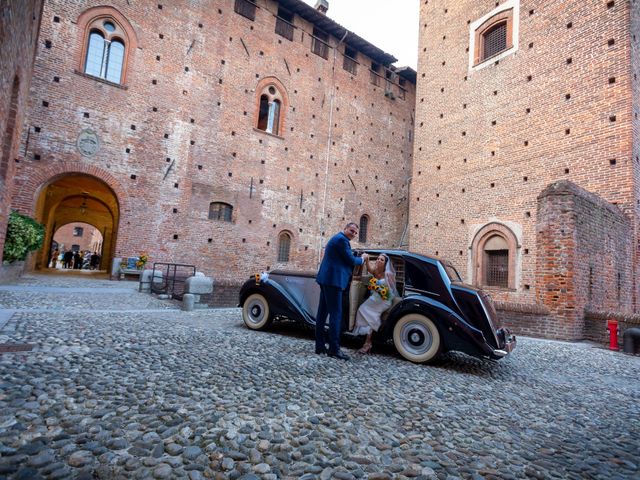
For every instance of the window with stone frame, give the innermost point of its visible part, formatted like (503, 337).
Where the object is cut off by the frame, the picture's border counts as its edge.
(270, 110)
(494, 251)
(364, 227)
(105, 50)
(246, 8)
(494, 35)
(108, 44)
(220, 211)
(284, 247)
(78, 231)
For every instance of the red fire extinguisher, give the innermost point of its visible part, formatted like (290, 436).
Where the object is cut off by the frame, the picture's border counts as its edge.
(612, 326)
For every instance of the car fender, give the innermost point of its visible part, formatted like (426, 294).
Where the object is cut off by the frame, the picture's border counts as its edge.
(280, 301)
(452, 327)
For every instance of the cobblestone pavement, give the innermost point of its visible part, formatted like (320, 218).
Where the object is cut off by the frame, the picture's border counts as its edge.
(121, 385)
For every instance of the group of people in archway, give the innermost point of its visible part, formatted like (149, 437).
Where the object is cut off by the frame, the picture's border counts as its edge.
(74, 259)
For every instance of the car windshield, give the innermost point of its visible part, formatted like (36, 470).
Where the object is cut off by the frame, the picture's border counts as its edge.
(452, 273)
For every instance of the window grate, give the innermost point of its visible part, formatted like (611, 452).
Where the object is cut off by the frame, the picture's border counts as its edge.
(364, 225)
(220, 211)
(284, 247)
(245, 8)
(497, 268)
(495, 40)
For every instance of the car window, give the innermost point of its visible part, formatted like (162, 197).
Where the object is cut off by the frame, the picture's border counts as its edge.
(452, 273)
(425, 277)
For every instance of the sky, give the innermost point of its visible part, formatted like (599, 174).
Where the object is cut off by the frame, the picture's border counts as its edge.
(390, 26)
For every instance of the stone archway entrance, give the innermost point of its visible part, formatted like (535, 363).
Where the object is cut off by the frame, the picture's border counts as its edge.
(77, 197)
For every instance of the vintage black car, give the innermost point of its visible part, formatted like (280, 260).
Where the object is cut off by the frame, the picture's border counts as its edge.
(434, 311)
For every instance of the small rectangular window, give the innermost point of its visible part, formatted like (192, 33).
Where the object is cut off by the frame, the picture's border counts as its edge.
(284, 23)
(364, 226)
(402, 91)
(78, 231)
(375, 74)
(350, 64)
(245, 8)
(497, 268)
(220, 211)
(320, 43)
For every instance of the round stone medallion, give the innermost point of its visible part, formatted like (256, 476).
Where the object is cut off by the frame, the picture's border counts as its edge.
(88, 143)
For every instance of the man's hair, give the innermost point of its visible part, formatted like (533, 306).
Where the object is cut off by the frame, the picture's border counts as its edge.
(351, 223)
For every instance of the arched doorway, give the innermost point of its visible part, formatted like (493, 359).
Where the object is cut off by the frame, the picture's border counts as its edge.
(79, 237)
(76, 199)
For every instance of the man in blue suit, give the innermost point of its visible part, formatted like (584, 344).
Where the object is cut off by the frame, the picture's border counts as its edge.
(333, 277)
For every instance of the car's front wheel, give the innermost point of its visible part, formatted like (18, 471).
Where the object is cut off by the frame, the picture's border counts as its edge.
(417, 338)
(255, 312)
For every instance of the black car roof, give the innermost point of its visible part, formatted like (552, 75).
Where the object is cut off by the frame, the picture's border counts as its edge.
(403, 253)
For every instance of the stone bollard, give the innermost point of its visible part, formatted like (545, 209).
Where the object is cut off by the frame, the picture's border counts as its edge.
(146, 280)
(188, 302)
(198, 285)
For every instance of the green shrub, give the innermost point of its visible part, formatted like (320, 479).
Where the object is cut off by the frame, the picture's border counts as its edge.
(24, 235)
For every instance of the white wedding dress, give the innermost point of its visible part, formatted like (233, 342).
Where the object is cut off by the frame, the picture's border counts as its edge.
(368, 315)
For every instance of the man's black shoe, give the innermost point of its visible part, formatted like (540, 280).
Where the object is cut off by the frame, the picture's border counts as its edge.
(321, 351)
(339, 354)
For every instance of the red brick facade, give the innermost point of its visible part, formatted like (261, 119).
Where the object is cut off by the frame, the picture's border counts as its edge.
(180, 133)
(491, 137)
(19, 25)
(533, 151)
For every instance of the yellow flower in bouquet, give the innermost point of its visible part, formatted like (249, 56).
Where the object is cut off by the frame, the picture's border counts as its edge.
(377, 287)
(142, 261)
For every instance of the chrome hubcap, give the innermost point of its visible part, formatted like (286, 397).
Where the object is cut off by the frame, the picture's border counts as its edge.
(256, 311)
(416, 338)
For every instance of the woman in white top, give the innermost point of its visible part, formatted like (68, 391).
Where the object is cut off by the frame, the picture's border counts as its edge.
(383, 288)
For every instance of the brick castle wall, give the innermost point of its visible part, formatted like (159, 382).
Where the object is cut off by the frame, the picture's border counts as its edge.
(489, 141)
(19, 24)
(180, 134)
(585, 248)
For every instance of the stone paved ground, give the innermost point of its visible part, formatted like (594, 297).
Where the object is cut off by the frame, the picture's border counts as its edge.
(121, 385)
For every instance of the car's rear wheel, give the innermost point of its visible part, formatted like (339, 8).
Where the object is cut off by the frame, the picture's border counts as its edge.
(417, 338)
(256, 313)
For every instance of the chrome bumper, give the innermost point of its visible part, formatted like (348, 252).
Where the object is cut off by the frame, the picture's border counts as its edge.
(509, 345)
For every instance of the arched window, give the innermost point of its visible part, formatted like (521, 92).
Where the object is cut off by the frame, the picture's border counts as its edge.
(494, 251)
(364, 225)
(108, 41)
(220, 211)
(269, 112)
(284, 247)
(494, 35)
(105, 51)
(272, 104)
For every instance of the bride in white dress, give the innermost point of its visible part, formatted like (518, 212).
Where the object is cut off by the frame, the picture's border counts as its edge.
(383, 288)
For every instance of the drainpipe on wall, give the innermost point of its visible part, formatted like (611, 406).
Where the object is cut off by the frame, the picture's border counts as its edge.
(328, 154)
